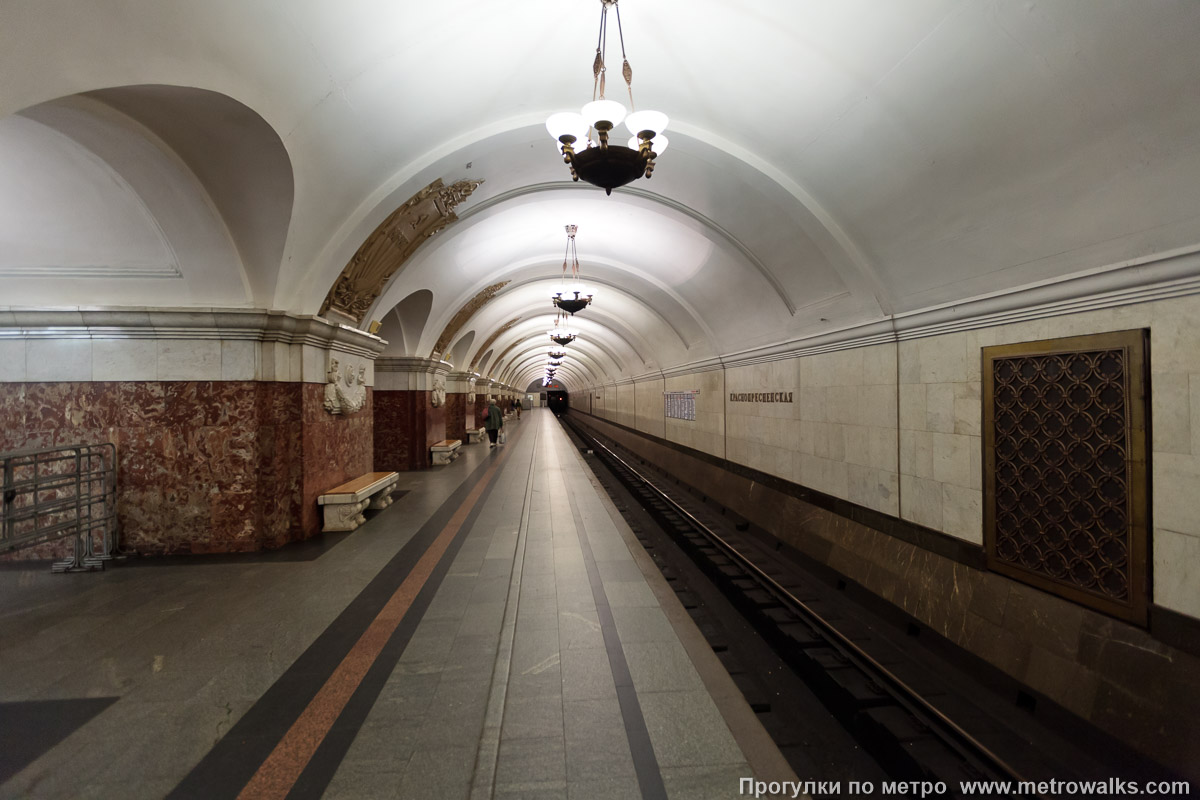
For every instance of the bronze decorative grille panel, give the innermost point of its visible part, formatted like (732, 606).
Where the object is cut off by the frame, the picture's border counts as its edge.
(1065, 468)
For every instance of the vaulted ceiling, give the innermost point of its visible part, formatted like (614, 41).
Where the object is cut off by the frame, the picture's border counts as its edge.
(832, 162)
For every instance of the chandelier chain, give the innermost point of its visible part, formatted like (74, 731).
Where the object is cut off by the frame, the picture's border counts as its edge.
(626, 70)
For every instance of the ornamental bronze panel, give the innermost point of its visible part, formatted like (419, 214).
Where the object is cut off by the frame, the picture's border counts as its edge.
(1065, 468)
(377, 259)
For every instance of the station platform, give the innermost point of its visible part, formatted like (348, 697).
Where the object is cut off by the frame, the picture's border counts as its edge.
(497, 632)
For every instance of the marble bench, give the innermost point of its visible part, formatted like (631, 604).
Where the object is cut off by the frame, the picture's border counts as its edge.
(476, 435)
(344, 505)
(445, 451)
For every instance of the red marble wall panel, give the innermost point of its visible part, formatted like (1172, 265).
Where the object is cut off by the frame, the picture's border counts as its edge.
(280, 463)
(406, 425)
(202, 466)
(481, 408)
(456, 416)
(336, 449)
(435, 425)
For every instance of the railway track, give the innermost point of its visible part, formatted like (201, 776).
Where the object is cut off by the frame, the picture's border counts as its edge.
(874, 693)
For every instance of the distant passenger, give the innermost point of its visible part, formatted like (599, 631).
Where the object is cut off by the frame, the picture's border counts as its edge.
(495, 421)
(519, 404)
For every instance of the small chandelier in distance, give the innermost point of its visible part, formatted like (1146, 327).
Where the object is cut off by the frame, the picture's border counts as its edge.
(573, 296)
(561, 334)
(600, 162)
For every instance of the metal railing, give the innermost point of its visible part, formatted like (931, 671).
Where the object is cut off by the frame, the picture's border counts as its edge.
(53, 493)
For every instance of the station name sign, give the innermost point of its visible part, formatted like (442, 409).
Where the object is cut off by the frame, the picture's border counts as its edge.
(760, 397)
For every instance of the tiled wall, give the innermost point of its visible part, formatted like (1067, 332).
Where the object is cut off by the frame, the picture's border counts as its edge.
(707, 432)
(848, 426)
(765, 436)
(896, 427)
(651, 417)
(625, 401)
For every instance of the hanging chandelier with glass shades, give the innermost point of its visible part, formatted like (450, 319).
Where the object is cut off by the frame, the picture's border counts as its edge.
(572, 296)
(584, 137)
(560, 334)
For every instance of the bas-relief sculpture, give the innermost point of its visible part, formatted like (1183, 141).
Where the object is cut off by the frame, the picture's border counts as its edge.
(390, 245)
(483, 348)
(438, 396)
(345, 389)
(468, 310)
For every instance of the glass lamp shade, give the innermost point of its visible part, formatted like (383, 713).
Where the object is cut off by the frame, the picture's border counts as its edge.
(646, 120)
(598, 110)
(658, 144)
(567, 123)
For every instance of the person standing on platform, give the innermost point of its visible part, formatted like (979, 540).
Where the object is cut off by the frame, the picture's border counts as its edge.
(518, 410)
(494, 422)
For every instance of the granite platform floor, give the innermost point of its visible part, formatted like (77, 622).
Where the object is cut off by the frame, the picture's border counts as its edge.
(496, 632)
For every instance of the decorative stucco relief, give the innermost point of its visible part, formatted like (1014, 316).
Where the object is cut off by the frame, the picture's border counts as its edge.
(345, 388)
(465, 313)
(483, 348)
(390, 245)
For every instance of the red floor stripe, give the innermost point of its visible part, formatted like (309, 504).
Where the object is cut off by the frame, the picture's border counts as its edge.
(280, 771)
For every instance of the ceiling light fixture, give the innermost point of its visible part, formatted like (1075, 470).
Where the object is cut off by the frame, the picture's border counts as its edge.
(561, 334)
(572, 296)
(599, 161)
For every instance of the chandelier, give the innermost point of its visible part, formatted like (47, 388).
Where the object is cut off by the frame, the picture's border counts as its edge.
(556, 353)
(561, 334)
(600, 162)
(572, 296)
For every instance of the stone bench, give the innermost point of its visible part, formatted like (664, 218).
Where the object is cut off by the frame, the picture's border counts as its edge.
(445, 451)
(344, 505)
(477, 435)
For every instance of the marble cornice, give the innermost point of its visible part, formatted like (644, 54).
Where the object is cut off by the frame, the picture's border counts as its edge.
(426, 366)
(195, 324)
(1159, 277)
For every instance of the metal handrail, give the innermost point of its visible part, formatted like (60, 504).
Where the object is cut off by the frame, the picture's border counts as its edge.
(51, 493)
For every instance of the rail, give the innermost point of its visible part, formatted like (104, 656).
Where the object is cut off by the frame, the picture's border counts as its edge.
(55, 493)
(967, 746)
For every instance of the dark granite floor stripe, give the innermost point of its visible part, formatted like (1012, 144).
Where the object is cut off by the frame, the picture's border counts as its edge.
(235, 759)
(29, 728)
(645, 764)
(325, 762)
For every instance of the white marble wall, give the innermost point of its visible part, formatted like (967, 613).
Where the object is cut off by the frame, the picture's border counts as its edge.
(175, 345)
(765, 436)
(941, 444)
(897, 427)
(651, 417)
(706, 433)
(625, 404)
(848, 439)
(38, 360)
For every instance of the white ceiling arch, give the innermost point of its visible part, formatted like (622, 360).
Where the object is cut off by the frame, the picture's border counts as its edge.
(515, 364)
(532, 330)
(533, 366)
(897, 156)
(619, 321)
